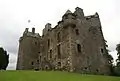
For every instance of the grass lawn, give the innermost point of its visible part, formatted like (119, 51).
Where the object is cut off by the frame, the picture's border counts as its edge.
(51, 76)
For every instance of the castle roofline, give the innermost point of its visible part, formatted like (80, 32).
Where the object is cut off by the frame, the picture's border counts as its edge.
(32, 34)
(68, 12)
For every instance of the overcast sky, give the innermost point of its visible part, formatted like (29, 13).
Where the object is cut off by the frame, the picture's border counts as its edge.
(14, 16)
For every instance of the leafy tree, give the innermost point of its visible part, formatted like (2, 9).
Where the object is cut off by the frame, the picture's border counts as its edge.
(118, 53)
(117, 67)
(109, 58)
(4, 59)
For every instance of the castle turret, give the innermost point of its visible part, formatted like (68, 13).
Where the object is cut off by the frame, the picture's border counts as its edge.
(28, 49)
(69, 19)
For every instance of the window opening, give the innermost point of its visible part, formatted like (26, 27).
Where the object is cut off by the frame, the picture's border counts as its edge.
(77, 31)
(58, 48)
(79, 47)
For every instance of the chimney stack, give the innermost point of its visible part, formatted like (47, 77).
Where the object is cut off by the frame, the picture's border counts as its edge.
(33, 30)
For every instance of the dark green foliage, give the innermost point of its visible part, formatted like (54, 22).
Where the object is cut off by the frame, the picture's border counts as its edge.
(118, 53)
(117, 67)
(110, 59)
(4, 59)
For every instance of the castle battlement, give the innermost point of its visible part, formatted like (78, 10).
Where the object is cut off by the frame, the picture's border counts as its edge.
(32, 34)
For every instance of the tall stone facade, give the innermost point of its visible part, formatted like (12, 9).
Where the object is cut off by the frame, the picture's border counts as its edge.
(75, 44)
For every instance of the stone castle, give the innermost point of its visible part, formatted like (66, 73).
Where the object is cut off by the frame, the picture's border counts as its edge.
(75, 44)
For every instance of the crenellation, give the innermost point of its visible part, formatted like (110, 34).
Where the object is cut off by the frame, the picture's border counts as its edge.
(79, 13)
(75, 44)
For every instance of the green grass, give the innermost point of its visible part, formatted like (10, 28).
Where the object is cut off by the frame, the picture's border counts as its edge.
(51, 76)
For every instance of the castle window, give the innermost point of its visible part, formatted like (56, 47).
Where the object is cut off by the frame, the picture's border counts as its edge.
(35, 43)
(58, 36)
(86, 68)
(59, 63)
(97, 70)
(32, 63)
(77, 31)
(48, 43)
(102, 50)
(50, 54)
(37, 60)
(79, 47)
(58, 49)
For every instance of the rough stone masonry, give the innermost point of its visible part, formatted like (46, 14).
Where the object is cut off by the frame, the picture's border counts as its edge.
(75, 44)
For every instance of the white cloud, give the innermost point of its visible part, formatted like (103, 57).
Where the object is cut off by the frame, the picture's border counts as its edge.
(12, 61)
(14, 15)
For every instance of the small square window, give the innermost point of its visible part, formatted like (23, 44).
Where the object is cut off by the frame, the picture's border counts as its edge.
(37, 60)
(77, 31)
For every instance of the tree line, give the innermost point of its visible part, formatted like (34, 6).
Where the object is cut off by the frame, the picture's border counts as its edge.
(114, 68)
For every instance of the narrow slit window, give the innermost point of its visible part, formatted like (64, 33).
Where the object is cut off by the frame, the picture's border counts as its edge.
(79, 47)
(58, 49)
(102, 50)
(32, 63)
(50, 54)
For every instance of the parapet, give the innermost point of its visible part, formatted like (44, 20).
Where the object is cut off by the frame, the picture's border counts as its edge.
(92, 16)
(32, 34)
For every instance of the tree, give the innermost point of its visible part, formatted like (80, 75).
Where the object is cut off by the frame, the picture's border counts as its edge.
(4, 59)
(118, 53)
(117, 67)
(109, 58)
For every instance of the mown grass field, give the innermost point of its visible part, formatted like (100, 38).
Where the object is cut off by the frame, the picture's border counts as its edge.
(51, 76)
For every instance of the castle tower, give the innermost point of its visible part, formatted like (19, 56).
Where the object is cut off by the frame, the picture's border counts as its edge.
(28, 50)
(88, 45)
